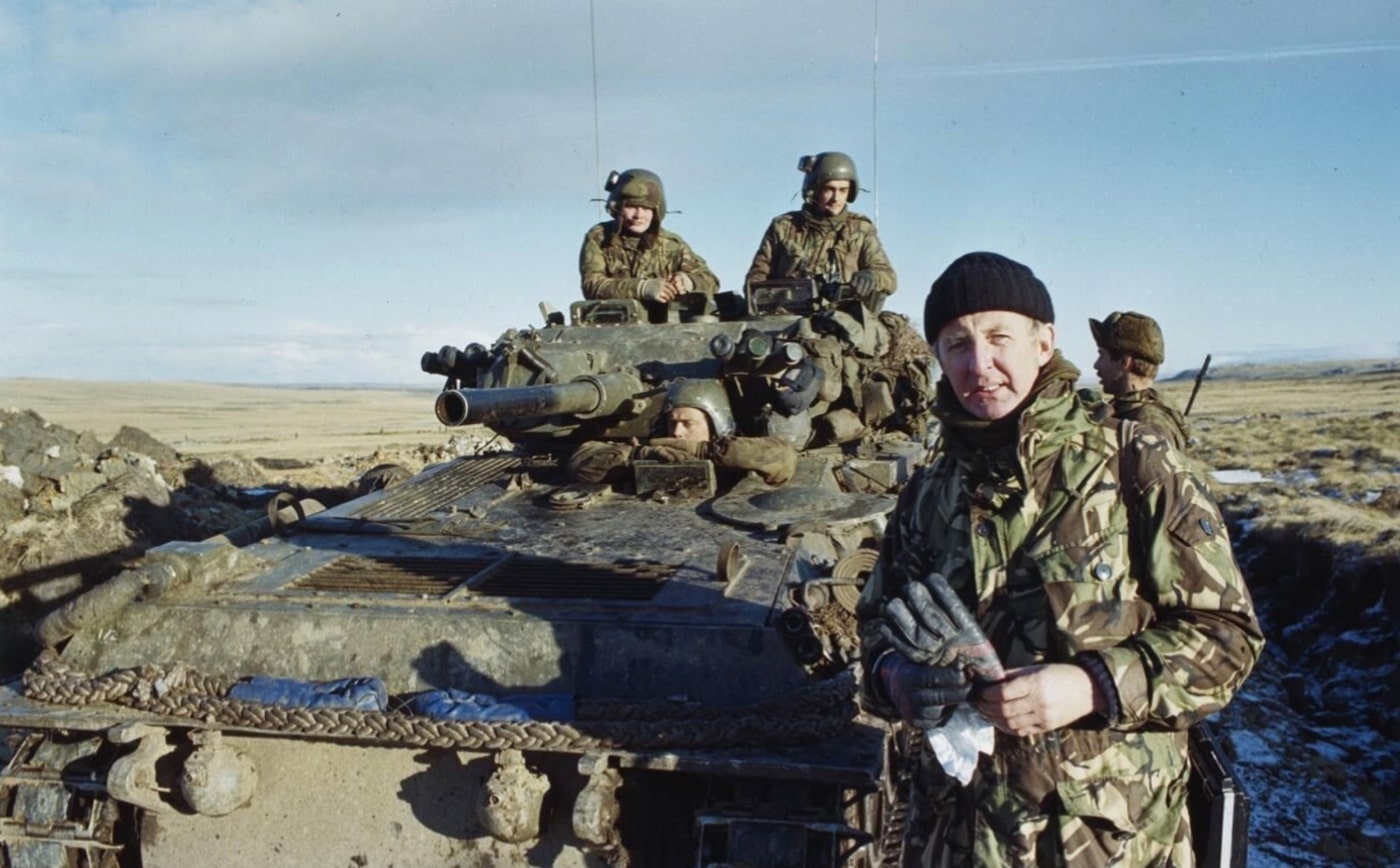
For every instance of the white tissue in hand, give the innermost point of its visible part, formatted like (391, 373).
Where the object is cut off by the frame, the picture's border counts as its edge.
(957, 742)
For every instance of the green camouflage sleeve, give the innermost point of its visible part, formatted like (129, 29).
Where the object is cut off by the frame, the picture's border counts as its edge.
(689, 262)
(872, 258)
(1205, 638)
(762, 266)
(594, 272)
(772, 458)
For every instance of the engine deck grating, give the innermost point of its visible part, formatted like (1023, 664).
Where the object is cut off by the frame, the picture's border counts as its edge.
(495, 575)
(420, 497)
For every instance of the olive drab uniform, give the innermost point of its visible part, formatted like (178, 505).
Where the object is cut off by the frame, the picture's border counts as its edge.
(613, 264)
(772, 458)
(1083, 537)
(1146, 407)
(804, 244)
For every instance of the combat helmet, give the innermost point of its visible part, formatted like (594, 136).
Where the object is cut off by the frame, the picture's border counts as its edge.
(707, 396)
(827, 166)
(636, 187)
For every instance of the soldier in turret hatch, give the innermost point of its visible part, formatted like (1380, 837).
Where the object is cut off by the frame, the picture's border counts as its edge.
(698, 423)
(1130, 351)
(826, 239)
(631, 256)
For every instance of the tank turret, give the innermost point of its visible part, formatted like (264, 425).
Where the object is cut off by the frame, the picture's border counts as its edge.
(493, 663)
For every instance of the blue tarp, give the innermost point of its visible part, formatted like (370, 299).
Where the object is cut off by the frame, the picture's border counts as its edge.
(365, 694)
(453, 704)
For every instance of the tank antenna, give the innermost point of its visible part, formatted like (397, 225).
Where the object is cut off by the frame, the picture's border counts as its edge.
(875, 115)
(597, 147)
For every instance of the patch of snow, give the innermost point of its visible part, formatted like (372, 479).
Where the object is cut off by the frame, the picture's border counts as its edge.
(1297, 478)
(1252, 749)
(12, 475)
(1237, 476)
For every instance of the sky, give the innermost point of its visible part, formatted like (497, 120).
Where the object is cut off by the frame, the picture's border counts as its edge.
(283, 192)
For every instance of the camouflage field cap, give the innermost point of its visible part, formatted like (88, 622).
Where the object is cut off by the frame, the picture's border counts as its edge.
(1133, 333)
(636, 187)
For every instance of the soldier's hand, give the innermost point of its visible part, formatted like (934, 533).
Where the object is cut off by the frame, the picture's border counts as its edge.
(673, 449)
(681, 283)
(867, 287)
(923, 695)
(656, 289)
(929, 624)
(1037, 699)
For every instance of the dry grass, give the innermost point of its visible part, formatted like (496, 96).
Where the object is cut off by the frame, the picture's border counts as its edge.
(1329, 445)
(216, 420)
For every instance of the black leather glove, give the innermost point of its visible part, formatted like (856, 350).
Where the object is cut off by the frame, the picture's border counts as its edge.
(929, 624)
(923, 695)
(867, 287)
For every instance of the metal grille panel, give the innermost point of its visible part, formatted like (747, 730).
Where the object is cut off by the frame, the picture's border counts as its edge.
(420, 497)
(419, 577)
(493, 575)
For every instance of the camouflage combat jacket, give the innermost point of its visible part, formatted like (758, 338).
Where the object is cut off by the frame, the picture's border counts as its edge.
(1081, 549)
(1146, 407)
(800, 244)
(613, 265)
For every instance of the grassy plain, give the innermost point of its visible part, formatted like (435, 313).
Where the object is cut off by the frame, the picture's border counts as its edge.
(213, 420)
(1328, 445)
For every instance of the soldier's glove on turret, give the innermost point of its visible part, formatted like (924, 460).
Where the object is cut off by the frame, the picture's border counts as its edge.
(599, 461)
(651, 289)
(867, 287)
(672, 449)
(923, 695)
(928, 624)
(683, 283)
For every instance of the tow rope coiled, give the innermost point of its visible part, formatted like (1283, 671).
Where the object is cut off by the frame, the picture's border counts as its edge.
(811, 713)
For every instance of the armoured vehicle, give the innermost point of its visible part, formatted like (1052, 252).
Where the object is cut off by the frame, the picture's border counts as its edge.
(490, 663)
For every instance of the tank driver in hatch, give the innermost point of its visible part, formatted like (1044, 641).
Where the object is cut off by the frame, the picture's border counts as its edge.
(1086, 559)
(698, 424)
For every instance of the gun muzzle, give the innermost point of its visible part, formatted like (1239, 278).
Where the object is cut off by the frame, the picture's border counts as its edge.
(587, 397)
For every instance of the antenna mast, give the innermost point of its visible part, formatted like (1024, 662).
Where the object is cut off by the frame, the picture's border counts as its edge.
(875, 115)
(597, 147)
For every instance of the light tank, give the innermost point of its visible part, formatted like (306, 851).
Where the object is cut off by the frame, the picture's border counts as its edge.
(492, 664)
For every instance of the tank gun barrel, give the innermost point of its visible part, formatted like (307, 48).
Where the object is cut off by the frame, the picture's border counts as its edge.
(587, 397)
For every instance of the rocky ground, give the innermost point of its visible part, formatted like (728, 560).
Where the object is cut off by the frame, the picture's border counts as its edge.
(1314, 734)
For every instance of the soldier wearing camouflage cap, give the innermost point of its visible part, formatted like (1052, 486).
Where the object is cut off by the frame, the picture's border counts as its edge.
(1070, 579)
(698, 423)
(631, 256)
(826, 239)
(1130, 351)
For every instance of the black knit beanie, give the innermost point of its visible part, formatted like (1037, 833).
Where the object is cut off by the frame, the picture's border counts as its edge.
(977, 282)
